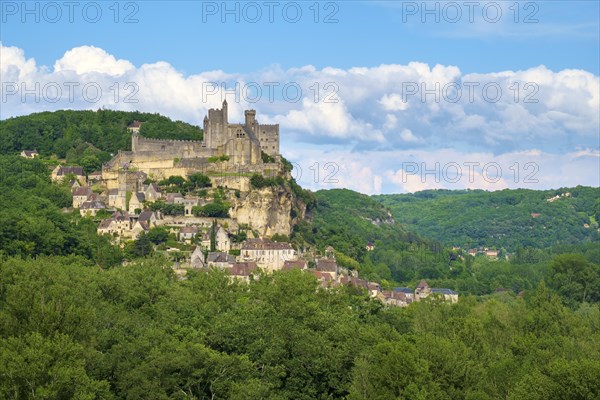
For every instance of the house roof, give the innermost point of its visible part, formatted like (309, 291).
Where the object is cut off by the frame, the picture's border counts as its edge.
(93, 205)
(423, 284)
(326, 265)
(265, 244)
(443, 291)
(243, 268)
(291, 264)
(62, 170)
(189, 229)
(141, 197)
(105, 223)
(30, 153)
(145, 215)
(135, 124)
(82, 191)
(218, 256)
(403, 290)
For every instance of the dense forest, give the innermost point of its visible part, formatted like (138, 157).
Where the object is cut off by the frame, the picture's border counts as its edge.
(86, 138)
(69, 329)
(503, 219)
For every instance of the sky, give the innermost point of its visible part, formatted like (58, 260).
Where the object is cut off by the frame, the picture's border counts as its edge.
(377, 96)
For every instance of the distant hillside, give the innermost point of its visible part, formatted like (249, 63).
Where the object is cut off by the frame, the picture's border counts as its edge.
(88, 135)
(507, 218)
(348, 221)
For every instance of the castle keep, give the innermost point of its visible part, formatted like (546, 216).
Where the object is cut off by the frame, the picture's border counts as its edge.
(239, 146)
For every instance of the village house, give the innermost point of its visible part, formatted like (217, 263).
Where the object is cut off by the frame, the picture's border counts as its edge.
(219, 260)
(243, 271)
(370, 246)
(267, 254)
(95, 176)
(134, 127)
(152, 218)
(61, 172)
(137, 228)
(136, 202)
(294, 264)
(423, 290)
(197, 258)
(327, 266)
(222, 240)
(29, 153)
(80, 195)
(91, 208)
(152, 192)
(187, 233)
(448, 294)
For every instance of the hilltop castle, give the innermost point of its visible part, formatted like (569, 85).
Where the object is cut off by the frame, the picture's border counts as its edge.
(242, 143)
(239, 147)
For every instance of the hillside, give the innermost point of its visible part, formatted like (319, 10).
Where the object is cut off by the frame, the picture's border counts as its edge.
(503, 219)
(348, 221)
(87, 138)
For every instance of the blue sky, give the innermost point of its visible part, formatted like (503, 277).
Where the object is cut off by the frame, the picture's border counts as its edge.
(370, 50)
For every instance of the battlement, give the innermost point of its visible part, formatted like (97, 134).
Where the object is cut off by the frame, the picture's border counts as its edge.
(154, 140)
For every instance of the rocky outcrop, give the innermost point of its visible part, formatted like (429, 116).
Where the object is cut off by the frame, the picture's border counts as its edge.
(268, 210)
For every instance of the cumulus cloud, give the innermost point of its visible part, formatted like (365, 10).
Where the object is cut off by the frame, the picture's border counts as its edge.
(377, 115)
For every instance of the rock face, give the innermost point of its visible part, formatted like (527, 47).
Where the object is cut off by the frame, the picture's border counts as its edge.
(267, 210)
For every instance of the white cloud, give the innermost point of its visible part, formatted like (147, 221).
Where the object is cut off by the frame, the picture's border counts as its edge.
(86, 59)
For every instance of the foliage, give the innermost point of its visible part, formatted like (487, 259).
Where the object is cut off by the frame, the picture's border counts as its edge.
(215, 210)
(167, 208)
(506, 218)
(86, 137)
(33, 223)
(70, 330)
(258, 181)
(215, 159)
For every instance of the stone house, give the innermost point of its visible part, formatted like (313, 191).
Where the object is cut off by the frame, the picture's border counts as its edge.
(61, 172)
(29, 153)
(152, 192)
(220, 260)
(266, 253)
(327, 265)
(243, 271)
(188, 233)
(197, 258)
(294, 264)
(423, 290)
(136, 202)
(80, 195)
(91, 208)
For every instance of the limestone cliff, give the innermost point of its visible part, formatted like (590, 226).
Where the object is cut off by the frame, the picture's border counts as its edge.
(270, 210)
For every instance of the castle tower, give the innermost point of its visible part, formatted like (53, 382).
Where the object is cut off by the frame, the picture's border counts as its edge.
(121, 201)
(250, 119)
(225, 119)
(134, 141)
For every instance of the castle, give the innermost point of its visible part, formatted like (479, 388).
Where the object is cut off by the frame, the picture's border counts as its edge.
(239, 148)
(242, 143)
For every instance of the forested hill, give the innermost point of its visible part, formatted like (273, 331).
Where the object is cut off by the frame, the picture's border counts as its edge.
(69, 134)
(504, 219)
(348, 221)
